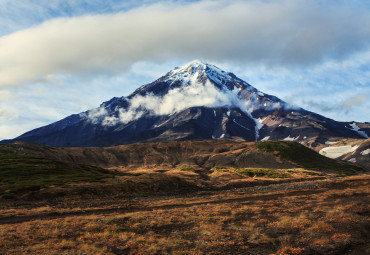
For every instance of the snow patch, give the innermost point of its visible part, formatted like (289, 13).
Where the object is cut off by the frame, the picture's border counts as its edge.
(365, 152)
(328, 143)
(265, 138)
(228, 113)
(357, 129)
(335, 152)
(258, 126)
(290, 138)
(354, 126)
(222, 136)
(353, 160)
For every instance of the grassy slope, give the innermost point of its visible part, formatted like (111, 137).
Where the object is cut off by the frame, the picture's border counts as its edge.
(22, 173)
(45, 166)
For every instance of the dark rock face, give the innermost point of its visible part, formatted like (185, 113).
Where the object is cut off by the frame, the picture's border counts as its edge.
(224, 106)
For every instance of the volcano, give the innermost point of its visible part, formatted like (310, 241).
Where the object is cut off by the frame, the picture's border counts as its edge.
(195, 101)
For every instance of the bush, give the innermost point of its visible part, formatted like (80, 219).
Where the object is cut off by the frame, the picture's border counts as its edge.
(187, 169)
(253, 172)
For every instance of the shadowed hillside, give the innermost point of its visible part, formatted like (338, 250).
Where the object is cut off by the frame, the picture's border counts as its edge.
(164, 166)
(25, 173)
(205, 154)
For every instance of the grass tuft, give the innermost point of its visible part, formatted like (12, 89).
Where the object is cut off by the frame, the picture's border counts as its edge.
(187, 169)
(253, 172)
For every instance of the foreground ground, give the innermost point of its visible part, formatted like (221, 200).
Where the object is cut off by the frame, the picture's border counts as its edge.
(329, 216)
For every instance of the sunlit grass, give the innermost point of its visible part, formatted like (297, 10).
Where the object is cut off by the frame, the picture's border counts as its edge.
(284, 224)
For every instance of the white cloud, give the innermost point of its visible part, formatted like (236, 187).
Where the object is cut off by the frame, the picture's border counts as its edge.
(5, 95)
(273, 32)
(3, 113)
(182, 98)
(7, 114)
(95, 115)
(179, 99)
(8, 131)
(176, 100)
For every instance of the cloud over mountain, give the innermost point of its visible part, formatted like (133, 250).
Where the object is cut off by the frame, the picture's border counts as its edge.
(197, 89)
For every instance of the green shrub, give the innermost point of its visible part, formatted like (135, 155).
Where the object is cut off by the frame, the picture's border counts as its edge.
(260, 172)
(253, 172)
(187, 169)
(221, 169)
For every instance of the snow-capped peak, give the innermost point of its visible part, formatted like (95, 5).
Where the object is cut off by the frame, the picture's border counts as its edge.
(194, 68)
(202, 72)
(198, 64)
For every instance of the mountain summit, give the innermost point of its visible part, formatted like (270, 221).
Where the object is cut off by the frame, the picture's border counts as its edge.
(195, 101)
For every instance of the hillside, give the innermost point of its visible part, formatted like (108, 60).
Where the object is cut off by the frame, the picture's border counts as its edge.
(162, 167)
(205, 154)
(21, 173)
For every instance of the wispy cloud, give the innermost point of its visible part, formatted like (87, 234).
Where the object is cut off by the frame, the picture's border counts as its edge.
(273, 32)
(353, 101)
(194, 94)
(5, 95)
(343, 107)
(17, 15)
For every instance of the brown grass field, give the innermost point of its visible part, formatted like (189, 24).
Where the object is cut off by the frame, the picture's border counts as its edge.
(320, 216)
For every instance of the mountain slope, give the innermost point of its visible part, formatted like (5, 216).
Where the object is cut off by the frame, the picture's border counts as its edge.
(195, 101)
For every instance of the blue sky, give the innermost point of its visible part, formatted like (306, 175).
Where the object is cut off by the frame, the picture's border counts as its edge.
(63, 57)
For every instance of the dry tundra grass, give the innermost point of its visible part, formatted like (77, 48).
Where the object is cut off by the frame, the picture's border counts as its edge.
(315, 217)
